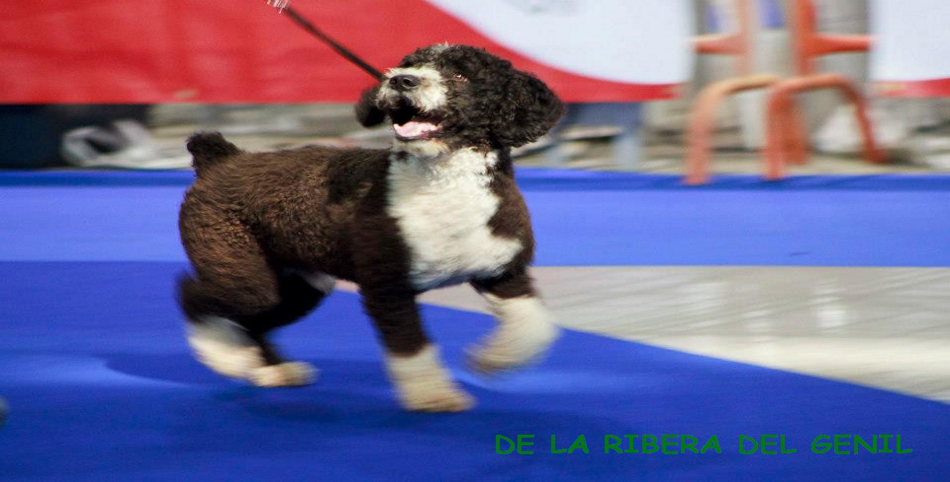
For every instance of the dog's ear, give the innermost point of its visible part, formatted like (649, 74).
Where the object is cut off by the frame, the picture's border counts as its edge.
(532, 110)
(366, 111)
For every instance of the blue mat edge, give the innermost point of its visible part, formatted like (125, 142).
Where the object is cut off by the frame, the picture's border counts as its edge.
(529, 178)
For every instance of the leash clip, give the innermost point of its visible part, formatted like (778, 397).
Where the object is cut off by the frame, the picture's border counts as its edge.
(280, 5)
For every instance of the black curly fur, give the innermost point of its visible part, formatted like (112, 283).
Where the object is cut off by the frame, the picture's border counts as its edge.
(366, 111)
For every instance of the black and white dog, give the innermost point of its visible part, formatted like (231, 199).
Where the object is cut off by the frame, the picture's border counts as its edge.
(269, 233)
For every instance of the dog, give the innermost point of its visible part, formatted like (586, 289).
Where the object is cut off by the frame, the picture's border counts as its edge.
(268, 234)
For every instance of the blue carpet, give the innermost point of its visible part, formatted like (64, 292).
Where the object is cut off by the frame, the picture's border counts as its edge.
(102, 387)
(581, 218)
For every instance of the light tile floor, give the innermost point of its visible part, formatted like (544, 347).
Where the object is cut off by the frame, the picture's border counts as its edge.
(882, 327)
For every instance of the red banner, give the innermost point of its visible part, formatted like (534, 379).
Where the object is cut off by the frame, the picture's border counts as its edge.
(914, 89)
(112, 51)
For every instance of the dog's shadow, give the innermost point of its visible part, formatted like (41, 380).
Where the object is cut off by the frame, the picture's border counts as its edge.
(352, 407)
(182, 368)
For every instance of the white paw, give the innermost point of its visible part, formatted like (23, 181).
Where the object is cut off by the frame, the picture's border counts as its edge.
(423, 385)
(524, 333)
(228, 359)
(511, 347)
(443, 397)
(290, 374)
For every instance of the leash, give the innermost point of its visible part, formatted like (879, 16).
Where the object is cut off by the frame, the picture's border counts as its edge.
(283, 6)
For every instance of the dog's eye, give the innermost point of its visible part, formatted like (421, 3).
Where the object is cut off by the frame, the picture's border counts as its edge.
(460, 78)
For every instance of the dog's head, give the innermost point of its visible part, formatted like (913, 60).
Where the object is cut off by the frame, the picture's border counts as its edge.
(446, 97)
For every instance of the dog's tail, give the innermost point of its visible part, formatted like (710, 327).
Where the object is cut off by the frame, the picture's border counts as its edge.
(208, 148)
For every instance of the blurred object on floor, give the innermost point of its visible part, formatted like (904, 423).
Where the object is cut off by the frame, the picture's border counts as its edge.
(839, 135)
(123, 144)
(626, 142)
(31, 134)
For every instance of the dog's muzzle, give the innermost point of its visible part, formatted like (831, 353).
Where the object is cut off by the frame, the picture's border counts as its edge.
(404, 83)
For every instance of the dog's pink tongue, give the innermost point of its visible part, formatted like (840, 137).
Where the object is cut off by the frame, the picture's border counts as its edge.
(414, 129)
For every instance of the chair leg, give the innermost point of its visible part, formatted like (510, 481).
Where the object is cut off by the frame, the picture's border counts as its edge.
(701, 124)
(798, 140)
(779, 148)
(703, 119)
(871, 151)
(776, 142)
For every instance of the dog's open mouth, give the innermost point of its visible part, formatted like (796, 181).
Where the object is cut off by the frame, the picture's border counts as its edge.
(411, 124)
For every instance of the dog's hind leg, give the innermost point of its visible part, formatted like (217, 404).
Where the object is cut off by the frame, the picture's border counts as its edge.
(525, 330)
(236, 299)
(299, 294)
(230, 336)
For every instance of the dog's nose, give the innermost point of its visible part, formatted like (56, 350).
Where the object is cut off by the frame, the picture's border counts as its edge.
(404, 83)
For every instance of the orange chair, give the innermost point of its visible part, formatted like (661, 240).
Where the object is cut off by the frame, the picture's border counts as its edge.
(703, 116)
(787, 139)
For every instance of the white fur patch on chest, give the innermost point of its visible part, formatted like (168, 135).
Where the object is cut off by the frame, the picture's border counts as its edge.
(443, 207)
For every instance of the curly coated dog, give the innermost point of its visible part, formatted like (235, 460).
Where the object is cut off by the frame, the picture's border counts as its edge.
(269, 233)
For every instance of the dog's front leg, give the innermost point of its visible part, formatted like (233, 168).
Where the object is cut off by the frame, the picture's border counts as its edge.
(525, 329)
(412, 361)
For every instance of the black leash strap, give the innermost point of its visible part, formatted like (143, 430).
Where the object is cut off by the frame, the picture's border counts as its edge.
(309, 27)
